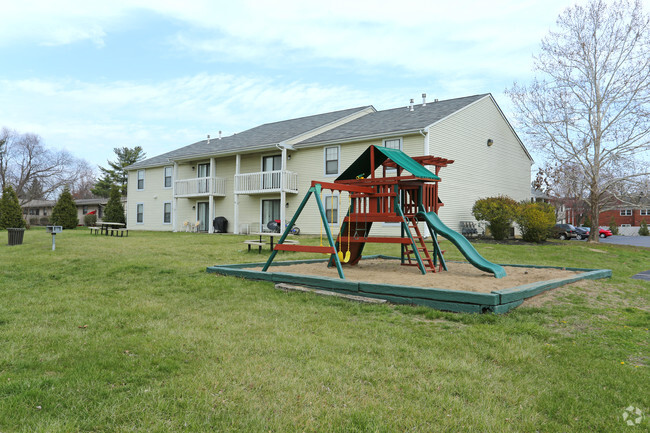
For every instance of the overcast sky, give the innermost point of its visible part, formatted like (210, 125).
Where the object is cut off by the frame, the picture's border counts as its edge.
(88, 76)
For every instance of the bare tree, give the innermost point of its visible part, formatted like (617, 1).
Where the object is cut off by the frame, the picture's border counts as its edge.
(84, 182)
(592, 105)
(24, 159)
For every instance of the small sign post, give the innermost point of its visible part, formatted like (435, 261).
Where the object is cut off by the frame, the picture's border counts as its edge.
(54, 230)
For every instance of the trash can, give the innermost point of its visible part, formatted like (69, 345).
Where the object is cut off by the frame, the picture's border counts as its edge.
(16, 236)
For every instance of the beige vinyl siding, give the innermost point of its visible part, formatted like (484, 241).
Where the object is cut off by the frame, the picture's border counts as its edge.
(478, 171)
(152, 197)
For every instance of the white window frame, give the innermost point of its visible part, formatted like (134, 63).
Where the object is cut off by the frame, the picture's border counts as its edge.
(644, 212)
(137, 205)
(137, 184)
(338, 161)
(328, 199)
(626, 212)
(401, 142)
(626, 225)
(383, 143)
(170, 212)
(171, 176)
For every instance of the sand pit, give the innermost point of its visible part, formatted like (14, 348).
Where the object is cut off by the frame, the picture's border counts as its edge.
(460, 276)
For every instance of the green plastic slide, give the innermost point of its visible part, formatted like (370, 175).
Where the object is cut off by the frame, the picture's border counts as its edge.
(463, 245)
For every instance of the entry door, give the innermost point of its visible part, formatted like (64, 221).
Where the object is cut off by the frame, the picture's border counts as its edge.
(271, 163)
(270, 211)
(203, 215)
(203, 172)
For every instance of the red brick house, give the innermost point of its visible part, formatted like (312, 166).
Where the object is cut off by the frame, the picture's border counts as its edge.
(627, 216)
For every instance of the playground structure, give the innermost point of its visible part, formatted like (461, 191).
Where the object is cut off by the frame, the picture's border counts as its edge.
(386, 185)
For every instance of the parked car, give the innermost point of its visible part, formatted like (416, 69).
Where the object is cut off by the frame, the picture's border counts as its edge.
(564, 231)
(583, 232)
(604, 233)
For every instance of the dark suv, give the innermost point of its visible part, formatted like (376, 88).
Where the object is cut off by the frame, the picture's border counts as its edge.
(564, 231)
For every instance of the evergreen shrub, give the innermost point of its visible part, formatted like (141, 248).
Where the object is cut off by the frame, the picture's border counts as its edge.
(64, 213)
(535, 220)
(643, 230)
(114, 211)
(90, 220)
(10, 214)
(499, 212)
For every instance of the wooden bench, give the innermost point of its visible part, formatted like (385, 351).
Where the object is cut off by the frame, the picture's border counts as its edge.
(254, 242)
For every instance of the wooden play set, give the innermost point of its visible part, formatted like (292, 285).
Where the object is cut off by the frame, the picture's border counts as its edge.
(388, 186)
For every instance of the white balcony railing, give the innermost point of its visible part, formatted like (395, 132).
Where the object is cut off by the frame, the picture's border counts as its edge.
(201, 186)
(266, 181)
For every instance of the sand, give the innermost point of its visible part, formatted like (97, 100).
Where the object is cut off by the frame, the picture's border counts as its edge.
(460, 276)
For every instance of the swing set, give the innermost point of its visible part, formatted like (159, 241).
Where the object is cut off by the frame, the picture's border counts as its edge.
(384, 185)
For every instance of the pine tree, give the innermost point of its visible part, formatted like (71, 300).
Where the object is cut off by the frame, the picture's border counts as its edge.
(114, 211)
(10, 214)
(64, 212)
(116, 173)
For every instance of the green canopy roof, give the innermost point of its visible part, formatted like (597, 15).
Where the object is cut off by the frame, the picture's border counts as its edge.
(361, 167)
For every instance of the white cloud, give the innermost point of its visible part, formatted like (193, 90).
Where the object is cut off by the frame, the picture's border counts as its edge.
(420, 36)
(90, 119)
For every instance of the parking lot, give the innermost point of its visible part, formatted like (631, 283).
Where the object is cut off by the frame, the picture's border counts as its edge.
(637, 241)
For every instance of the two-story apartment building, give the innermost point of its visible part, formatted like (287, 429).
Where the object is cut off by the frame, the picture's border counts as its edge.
(263, 173)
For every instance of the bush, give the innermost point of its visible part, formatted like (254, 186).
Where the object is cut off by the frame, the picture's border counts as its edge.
(10, 214)
(114, 211)
(44, 221)
(90, 219)
(499, 212)
(33, 221)
(535, 220)
(643, 230)
(613, 227)
(64, 213)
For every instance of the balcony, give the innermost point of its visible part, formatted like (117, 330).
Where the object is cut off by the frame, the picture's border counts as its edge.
(266, 182)
(201, 187)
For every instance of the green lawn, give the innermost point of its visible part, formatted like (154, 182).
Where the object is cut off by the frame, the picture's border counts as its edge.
(131, 334)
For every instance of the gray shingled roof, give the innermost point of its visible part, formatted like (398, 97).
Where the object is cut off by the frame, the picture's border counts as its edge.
(268, 134)
(395, 120)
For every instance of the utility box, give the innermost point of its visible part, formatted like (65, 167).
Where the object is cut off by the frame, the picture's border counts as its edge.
(54, 229)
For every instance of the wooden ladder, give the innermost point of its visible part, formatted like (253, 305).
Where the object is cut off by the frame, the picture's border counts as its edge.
(427, 260)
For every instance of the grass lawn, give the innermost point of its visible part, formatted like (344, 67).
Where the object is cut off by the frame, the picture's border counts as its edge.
(131, 334)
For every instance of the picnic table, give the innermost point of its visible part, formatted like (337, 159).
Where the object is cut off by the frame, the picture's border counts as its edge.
(261, 242)
(114, 228)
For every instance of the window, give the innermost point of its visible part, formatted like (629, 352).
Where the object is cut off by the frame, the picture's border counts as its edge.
(84, 209)
(332, 160)
(332, 208)
(393, 143)
(167, 212)
(644, 212)
(140, 180)
(168, 177)
(139, 213)
(273, 164)
(626, 212)
(44, 212)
